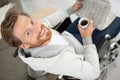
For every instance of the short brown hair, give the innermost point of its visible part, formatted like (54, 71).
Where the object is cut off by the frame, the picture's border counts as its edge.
(7, 28)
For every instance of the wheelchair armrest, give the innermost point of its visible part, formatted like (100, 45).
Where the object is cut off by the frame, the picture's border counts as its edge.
(60, 27)
(103, 47)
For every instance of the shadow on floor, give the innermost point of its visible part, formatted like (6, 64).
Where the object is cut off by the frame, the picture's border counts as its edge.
(11, 68)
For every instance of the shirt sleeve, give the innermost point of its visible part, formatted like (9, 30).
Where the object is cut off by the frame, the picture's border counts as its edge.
(57, 17)
(87, 41)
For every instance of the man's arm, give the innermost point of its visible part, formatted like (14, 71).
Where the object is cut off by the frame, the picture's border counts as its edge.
(59, 16)
(89, 49)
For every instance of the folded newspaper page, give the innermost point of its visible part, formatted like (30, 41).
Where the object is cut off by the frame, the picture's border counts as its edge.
(96, 10)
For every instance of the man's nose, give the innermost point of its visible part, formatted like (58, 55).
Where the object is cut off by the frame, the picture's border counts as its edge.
(35, 29)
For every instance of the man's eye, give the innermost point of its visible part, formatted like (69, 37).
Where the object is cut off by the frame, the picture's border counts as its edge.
(28, 33)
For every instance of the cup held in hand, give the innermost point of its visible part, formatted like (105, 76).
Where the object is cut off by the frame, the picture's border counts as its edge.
(83, 22)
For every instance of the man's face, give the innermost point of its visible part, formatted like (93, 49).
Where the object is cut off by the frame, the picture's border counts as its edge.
(31, 32)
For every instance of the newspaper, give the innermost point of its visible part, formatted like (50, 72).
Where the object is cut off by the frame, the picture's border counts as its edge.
(96, 10)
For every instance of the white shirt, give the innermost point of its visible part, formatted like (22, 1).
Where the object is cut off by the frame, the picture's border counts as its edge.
(57, 39)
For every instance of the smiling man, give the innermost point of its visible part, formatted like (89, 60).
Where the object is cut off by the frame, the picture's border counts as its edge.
(50, 51)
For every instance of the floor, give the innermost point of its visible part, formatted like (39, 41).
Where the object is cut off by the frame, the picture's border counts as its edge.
(11, 68)
(40, 9)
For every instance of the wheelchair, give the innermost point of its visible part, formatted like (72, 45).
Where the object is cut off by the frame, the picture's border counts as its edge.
(107, 48)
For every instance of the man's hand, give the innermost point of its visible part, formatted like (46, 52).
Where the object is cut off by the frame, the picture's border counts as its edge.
(86, 32)
(76, 6)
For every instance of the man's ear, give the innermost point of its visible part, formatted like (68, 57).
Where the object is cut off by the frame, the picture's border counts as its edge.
(24, 46)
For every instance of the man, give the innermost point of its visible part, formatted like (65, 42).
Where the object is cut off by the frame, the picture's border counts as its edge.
(50, 51)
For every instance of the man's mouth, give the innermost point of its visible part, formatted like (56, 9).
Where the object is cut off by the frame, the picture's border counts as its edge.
(42, 32)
